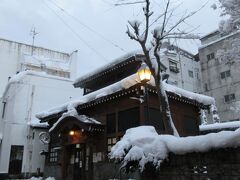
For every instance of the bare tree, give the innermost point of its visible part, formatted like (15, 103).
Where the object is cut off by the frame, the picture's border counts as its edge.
(152, 51)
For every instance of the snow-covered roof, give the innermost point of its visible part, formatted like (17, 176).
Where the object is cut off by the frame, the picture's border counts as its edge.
(35, 123)
(143, 144)
(219, 126)
(206, 100)
(72, 112)
(56, 64)
(219, 39)
(109, 65)
(122, 85)
(17, 78)
(210, 33)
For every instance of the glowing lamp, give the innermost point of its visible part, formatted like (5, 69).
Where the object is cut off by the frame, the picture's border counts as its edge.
(71, 133)
(144, 73)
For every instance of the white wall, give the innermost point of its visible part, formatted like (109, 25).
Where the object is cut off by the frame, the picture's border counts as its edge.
(11, 55)
(182, 78)
(31, 95)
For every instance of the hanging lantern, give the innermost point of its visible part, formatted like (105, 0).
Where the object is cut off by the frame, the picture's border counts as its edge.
(71, 133)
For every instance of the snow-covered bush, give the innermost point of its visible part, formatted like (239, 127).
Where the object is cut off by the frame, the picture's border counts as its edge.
(143, 145)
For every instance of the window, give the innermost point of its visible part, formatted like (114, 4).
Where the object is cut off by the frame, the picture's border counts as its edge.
(229, 98)
(206, 87)
(153, 118)
(128, 119)
(173, 67)
(111, 123)
(210, 56)
(225, 74)
(53, 155)
(190, 73)
(15, 162)
(197, 73)
(111, 141)
(190, 126)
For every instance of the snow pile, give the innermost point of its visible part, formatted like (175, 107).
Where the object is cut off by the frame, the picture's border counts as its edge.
(35, 123)
(39, 61)
(72, 112)
(144, 145)
(219, 126)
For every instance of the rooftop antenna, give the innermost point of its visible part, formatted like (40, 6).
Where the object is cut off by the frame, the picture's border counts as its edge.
(33, 33)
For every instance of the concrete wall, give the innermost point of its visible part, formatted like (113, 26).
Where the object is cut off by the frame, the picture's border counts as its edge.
(184, 64)
(23, 100)
(11, 56)
(214, 85)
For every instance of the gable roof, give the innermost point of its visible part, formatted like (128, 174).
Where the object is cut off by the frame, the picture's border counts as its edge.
(121, 62)
(124, 85)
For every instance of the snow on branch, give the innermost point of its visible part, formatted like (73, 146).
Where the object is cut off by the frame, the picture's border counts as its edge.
(144, 145)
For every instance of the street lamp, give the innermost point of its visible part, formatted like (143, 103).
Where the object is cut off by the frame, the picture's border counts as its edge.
(144, 73)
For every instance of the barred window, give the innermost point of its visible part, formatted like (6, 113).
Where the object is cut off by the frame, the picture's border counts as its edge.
(229, 98)
(111, 141)
(225, 74)
(210, 56)
(53, 155)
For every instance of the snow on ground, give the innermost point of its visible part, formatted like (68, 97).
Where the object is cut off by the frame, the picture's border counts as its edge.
(215, 126)
(143, 144)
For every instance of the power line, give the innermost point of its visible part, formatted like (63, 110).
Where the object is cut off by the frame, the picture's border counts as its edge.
(87, 27)
(74, 32)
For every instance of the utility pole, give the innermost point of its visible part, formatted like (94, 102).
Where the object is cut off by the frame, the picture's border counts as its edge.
(33, 33)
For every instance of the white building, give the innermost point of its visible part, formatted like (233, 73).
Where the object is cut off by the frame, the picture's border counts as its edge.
(220, 64)
(183, 67)
(26, 94)
(16, 57)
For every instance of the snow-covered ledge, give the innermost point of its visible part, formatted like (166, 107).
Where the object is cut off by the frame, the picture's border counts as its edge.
(144, 144)
(219, 126)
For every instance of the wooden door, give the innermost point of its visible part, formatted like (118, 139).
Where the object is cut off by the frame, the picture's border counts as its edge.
(79, 162)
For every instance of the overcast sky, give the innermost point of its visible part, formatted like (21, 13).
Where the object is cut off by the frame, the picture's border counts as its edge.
(104, 38)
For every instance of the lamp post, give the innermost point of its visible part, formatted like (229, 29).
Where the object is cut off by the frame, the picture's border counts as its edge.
(144, 74)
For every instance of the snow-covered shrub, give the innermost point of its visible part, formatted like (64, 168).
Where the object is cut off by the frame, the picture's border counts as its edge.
(143, 145)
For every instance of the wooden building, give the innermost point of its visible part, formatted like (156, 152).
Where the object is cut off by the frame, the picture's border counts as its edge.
(83, 131)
